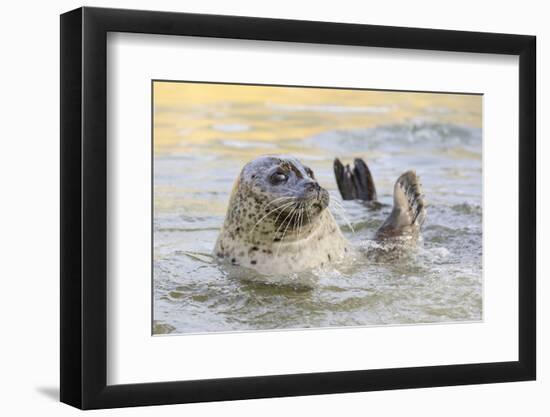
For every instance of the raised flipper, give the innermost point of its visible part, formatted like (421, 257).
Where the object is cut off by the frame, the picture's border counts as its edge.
(356, 184)
(409, 210)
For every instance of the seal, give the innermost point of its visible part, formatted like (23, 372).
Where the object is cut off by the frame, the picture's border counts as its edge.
(278, 220)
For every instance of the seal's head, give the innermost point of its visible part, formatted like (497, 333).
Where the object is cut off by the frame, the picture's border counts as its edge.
(277, 220)
(276, 198)
(281, 184)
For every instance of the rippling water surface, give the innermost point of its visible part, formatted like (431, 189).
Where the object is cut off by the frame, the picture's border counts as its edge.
(202, 140)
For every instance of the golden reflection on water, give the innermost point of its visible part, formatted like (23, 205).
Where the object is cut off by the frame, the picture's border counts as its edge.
(190, 114)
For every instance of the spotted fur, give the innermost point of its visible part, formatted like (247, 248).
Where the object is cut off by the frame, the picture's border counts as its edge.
(279, 228)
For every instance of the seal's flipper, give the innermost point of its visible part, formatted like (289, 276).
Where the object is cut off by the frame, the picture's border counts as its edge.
(356, 184)
(409, 210)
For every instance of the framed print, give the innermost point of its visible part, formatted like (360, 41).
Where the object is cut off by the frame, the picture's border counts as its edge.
(258, 207)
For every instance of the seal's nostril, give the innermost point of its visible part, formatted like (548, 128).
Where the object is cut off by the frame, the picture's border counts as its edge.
(312, 186)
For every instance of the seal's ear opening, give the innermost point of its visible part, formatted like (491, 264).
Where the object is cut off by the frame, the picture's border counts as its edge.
(356, 183)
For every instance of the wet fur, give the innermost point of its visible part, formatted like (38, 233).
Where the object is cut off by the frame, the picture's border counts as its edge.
(257, 235)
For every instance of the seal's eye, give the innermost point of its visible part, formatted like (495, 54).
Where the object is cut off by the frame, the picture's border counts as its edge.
(310, 173)
(278, 178)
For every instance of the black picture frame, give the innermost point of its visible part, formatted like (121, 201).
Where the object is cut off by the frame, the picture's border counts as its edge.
(84, 207)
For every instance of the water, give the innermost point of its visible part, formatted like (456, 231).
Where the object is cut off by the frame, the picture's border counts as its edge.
(441, 281)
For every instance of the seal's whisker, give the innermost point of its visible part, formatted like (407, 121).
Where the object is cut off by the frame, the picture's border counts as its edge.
(282, 207)
(296, 224)
(277, 200)
(283, 222)
(292, 212)
(332, 205)
(301, 221)
(336, 208)
(308, 218)
(336, 200)
(288, 224)
(280, 202)
(340, 211)
(282, 211)
(336, 205)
